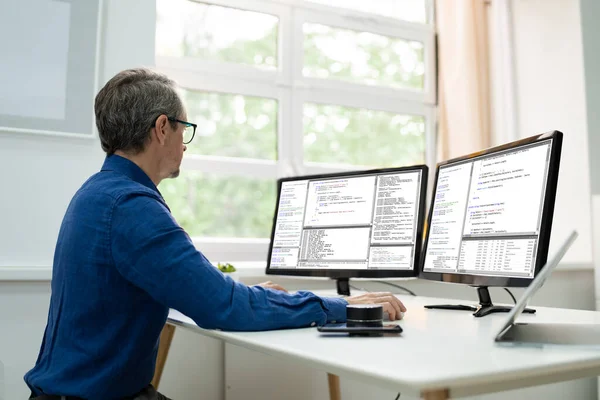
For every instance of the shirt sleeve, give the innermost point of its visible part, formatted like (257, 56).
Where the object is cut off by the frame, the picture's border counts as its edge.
(155, 254)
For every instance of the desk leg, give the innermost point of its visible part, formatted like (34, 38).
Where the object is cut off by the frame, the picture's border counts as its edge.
(442, 394)
(334, 387)
(166, 336)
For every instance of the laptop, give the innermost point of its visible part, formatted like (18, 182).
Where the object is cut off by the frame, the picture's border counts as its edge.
(538, 333)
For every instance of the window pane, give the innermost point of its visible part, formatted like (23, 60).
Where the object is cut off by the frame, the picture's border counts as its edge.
(408, 10)
(221, 206)
(232, 125)
(187, 28)
(335, 134)
(362, 57)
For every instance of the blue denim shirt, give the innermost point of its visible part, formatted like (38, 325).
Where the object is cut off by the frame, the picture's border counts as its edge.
(121, 261)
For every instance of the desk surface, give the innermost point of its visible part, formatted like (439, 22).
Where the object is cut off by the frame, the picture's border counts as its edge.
(439, 349)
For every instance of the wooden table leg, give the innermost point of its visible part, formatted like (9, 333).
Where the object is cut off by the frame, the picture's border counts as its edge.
(166, 336)
(442, 394)
(334, 387)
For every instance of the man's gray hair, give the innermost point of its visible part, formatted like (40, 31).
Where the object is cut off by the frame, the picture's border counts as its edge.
(128, 105)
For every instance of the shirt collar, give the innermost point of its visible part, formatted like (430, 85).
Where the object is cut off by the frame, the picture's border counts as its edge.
(129, 169)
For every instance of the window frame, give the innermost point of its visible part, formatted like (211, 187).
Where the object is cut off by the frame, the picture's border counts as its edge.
(291, 90)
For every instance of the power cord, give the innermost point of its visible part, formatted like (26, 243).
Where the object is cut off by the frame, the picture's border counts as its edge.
(511, 295)
(397, 397)
(399, 287)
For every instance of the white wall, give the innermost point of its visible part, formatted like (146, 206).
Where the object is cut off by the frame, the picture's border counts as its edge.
(40, 174)
(551, 96)
(590, 12)
(23, 312)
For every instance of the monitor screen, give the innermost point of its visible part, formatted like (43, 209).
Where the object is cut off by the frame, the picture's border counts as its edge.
(349, 224)
(491, 212)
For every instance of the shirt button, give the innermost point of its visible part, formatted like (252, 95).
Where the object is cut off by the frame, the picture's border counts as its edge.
(313, 323)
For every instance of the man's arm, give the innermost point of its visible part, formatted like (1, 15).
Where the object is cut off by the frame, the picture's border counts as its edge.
(155, 254)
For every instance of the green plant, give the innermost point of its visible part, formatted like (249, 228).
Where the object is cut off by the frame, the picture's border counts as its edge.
(226, 267)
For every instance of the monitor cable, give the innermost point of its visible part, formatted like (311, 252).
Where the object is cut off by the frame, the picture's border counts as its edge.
(397, 397)
(399, 287)
(511, 295)
(385, 283)
(358, 288)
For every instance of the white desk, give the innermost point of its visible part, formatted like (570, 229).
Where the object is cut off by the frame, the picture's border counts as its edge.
(441, 353)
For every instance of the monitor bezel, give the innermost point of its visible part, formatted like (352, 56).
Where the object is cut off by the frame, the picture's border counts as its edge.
(545, 228)
(354, 273)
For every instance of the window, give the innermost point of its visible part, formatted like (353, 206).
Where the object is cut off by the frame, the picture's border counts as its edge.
(342, 135)
(186, 28)
(290, 87)
(233, 125)
(362, 57)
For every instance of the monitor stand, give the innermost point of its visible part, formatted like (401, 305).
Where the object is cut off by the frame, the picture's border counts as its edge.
(343, 286)
(485, 305)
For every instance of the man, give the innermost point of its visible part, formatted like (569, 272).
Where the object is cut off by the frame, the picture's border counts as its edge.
(121, 261)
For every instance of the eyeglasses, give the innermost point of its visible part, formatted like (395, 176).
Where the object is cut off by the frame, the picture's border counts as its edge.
(187, 133)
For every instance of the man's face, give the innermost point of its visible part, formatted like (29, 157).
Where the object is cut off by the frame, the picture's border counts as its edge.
(175, 147)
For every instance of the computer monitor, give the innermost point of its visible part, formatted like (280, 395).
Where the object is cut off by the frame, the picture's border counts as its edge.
(366, 224)
(490, 218)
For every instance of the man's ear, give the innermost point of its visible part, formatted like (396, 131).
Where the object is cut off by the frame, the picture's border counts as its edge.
(159, 129)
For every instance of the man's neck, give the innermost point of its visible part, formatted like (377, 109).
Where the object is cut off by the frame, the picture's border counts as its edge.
(143, 160)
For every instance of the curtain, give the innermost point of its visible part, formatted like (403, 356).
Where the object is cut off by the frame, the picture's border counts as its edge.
(464, 124)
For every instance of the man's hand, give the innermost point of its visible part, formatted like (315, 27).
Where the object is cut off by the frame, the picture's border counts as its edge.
(271, 285)
(390, 303)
